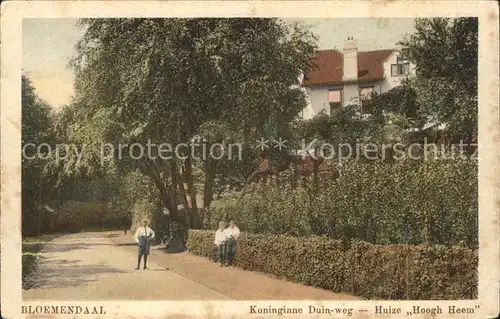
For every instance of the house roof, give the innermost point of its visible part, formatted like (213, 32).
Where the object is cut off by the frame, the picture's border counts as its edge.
(327, 67)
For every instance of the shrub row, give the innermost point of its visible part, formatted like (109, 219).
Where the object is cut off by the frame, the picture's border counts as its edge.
(422, 272)
(71, 216)
(406, 202)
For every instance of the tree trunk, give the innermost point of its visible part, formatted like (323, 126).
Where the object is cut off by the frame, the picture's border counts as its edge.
(154, 171)
(190, 182)
(184, 196)
(210, 166)
(172, 198)
(185, 201)
(187, 173)
(177, 184)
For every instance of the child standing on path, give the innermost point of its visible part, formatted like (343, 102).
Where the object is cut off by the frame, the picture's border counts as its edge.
(231, 233)
(220, 242)
(143, 236)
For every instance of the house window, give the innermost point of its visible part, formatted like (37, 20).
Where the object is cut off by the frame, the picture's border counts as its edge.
(400, 69)
(366, 92)
(335, 99)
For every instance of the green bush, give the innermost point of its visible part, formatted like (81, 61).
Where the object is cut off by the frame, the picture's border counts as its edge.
(379, 270)
(407, 202)
(296, 258)
(438, 271)
(139, 199)
(371, 271)
(70, 216)
(134, 188)
(201, 243)
(83, 214)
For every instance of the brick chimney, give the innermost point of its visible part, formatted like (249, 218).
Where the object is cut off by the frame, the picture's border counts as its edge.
(351, 89)
(350, 60)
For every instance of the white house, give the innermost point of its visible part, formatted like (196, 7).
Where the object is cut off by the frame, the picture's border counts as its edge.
(341, 78)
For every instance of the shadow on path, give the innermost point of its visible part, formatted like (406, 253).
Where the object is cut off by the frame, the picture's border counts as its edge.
(68, 273)
(126, 244)
(174, 249)
(59, 247)
(65, 247)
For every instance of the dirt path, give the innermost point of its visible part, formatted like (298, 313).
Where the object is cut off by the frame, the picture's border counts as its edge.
(94, 266)
(89, 266)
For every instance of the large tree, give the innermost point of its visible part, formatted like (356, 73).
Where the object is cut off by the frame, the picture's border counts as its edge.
(445, 52)
(163, 80)
(37, 179)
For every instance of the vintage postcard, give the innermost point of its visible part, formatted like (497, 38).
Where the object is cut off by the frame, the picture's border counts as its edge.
(199, 159)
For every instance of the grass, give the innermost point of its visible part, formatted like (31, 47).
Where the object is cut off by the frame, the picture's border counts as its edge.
(31, 248)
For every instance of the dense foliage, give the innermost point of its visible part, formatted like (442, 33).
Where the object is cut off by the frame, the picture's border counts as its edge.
(410, 201)
(171, 80)
(414, 272)
(75, 216)
(37, 182)
(445, 52)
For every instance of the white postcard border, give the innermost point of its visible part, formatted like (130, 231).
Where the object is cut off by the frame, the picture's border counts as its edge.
(11, 53)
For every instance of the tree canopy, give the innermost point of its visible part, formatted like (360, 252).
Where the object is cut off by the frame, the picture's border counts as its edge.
(445, 52)
(37, 180)
(166, 80)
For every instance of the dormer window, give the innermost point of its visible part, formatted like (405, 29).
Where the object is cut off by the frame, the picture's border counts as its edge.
(400, 69)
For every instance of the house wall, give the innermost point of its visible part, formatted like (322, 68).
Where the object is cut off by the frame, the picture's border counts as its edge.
(351, 94)
(393, 81)
(308, 112)
(318, 95)
(318, 100)
(377, 85)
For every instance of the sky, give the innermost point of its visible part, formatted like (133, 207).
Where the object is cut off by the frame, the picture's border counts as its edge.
(48, 45)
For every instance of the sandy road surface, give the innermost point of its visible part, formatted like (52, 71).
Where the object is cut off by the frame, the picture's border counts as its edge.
(100, 266)
(89, 266)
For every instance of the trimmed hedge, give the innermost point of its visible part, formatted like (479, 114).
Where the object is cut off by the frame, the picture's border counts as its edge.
(422, 272)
